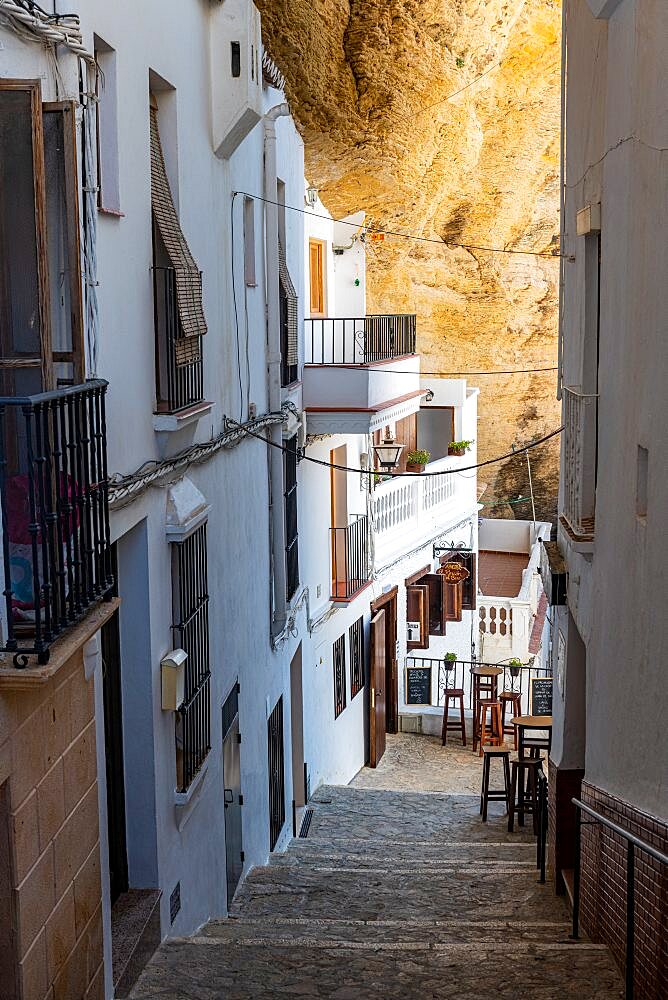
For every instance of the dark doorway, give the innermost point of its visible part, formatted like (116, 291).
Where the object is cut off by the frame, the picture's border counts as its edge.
(234, 857)
(297, 729)
(113, 742)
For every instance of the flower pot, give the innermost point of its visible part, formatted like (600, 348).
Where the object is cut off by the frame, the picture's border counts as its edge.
(457, 451)
(414, 467)
(515, 671)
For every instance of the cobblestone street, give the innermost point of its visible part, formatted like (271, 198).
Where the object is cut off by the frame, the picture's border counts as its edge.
(397, 892)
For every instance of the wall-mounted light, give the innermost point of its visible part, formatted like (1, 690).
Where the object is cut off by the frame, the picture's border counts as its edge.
(311, 196)
(388, 453)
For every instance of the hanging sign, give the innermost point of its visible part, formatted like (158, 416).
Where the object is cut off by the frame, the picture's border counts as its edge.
(454, 572)
(418, 685)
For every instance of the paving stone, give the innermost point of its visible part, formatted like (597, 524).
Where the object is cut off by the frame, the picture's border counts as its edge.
(398, 893)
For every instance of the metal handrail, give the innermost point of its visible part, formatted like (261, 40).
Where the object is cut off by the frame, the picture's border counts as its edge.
(633, 842)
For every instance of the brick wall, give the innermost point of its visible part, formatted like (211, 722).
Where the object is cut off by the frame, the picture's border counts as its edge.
(564, 786)
(603, 891)
(50, 857)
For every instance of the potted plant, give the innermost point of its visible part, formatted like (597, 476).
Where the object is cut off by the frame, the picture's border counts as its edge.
(449, 661)
(515, 666)
(416, 460)
(459, 447)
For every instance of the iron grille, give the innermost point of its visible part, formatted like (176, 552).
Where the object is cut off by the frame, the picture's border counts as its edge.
(191, 633)
(179, 368)
(339, 659)
(289, 371)
(276, 773)
(55, 513)
(291, 532)
(359, 341)
(356, 644)
(350, 558)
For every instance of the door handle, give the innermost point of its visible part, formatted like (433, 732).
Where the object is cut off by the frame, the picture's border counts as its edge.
(373, 697)
(229, 797)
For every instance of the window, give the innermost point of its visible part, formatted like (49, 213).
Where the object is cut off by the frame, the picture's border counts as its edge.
(317, 277)
(356, 645)
(249, 242)
(190, 606)
(108, 191)
(339, 662)
(289, 321)
(41, 314)
(291, 533)
(177, 290)
(276, 763)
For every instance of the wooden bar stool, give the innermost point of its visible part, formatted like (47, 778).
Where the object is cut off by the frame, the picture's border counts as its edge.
(455, 695)
(514, 699)
(495, 794)
(524, 802)
(492, 734)
(484, 684)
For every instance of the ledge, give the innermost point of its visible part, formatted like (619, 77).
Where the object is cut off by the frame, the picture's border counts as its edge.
(353, 597)
(185, 802)
(61, 652)
(170, 422)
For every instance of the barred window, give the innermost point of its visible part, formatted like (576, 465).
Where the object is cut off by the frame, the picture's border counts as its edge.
(276, 762)
(190, 605)
(291, 533)
(356, 644)
(339, 659)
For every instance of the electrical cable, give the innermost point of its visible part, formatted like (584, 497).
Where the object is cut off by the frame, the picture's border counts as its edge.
(403, 236)
(393, 475)
(400, 371)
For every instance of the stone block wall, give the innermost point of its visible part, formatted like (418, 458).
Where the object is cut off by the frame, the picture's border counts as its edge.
(49, 840)
(603, 890)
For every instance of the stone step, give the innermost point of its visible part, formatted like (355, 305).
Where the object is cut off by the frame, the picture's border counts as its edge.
(200, 968)
(418, 934)
(468, 893)
(401, 855)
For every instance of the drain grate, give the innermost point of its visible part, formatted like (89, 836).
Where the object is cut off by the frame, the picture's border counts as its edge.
(306, 823)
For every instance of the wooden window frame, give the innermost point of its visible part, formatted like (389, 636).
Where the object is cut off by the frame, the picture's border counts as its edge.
(320, 246)
(44, 361)
(415, 590)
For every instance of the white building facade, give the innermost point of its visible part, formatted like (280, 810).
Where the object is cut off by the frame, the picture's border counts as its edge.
(610, 746)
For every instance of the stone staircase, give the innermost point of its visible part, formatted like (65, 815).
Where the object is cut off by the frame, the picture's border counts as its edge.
(392, 895)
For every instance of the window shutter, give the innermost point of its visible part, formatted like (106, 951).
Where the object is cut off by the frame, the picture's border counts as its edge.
(187, 273)
(453, 601)
(437, 619)
(290, 295)
(417, 614)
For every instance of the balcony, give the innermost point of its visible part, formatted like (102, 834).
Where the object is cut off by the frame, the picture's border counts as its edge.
(55, 515)
(360, 374)
(511, 603)
(350, 559)
(579, 469)
(410, 510)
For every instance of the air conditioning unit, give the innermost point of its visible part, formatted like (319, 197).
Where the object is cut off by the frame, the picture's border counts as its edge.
(236, 74)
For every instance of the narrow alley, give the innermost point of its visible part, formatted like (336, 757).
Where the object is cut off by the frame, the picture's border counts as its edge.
(394, 893)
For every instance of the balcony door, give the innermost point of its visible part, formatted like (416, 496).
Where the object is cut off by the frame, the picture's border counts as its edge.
(317, 277)
(339, 518)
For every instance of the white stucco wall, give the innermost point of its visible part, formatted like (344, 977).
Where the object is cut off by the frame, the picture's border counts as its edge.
(615, 131)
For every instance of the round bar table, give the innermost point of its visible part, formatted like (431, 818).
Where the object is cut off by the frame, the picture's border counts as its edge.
(485, 680)
(529, 724)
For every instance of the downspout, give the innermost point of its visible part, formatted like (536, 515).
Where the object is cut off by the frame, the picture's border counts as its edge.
(562, 205)
(276, 519)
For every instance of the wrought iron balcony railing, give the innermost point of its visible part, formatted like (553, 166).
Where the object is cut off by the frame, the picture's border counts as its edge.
(55, 514)
(359, 341)
(350, 558)
(179, 370)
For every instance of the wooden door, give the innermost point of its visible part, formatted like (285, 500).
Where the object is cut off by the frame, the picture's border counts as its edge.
(317, 278)
(377, 689)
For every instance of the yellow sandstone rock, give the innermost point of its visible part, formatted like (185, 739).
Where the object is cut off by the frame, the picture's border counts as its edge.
(370, 82)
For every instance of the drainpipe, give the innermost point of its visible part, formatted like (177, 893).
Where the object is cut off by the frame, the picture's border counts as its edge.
(277, 518)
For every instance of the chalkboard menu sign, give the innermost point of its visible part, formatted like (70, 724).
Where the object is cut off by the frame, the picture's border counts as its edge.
(418, 685)
(541, 696)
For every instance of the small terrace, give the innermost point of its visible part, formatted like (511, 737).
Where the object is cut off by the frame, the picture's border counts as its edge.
(55, 516)
(350, 558)
(360, 373)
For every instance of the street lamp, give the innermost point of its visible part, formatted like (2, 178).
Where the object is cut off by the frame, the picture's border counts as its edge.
(388, 453)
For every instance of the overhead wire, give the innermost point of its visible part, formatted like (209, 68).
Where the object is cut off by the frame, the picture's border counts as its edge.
(403, 236)
(229, 422)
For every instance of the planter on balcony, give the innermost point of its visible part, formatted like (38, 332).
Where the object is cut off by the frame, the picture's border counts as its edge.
(414, 466)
